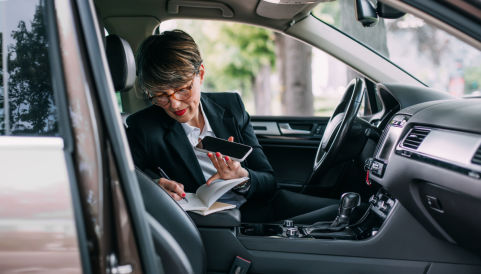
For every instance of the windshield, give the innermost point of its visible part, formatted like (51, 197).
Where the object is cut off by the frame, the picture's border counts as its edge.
(430, 54)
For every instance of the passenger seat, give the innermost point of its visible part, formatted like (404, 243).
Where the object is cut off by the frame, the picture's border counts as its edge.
(176, 238)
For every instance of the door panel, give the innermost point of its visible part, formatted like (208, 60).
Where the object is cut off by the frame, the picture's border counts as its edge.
(290, 144)
(37, 217)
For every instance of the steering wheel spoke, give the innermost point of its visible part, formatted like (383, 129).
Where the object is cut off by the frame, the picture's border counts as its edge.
(336, 132)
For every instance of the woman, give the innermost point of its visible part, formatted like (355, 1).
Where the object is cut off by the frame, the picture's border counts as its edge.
(162, 136)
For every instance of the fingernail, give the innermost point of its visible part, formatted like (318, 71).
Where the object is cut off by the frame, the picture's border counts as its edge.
(209, 154)
(183, 195)
(217, 154)
(226, 158)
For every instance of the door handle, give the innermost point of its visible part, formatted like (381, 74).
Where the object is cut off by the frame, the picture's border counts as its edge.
(286, 129)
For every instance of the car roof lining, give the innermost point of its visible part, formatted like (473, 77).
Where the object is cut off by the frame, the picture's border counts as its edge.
(278, 17)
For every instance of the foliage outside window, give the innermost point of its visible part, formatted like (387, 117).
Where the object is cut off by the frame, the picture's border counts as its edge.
(435, 57)
(27, 101)
(274, 74)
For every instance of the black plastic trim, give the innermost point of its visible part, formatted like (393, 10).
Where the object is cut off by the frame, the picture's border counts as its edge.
(298, 143)
(371, 96)
(65, 131)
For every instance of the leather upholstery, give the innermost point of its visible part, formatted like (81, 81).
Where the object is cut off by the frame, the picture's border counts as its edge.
(174, 219)
(227, 218)
(121, 62)
(174, 259)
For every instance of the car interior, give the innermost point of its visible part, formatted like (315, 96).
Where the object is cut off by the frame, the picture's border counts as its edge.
(413, 160)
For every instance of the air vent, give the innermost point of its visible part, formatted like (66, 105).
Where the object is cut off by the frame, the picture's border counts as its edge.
(477, 157)
(415, 137)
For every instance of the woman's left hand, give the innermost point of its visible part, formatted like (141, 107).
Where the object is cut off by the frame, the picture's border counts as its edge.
(226, 167)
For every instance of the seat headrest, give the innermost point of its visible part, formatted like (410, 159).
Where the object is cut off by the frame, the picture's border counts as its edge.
(121, 62)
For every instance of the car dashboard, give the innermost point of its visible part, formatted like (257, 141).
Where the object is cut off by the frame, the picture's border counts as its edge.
(429, 158)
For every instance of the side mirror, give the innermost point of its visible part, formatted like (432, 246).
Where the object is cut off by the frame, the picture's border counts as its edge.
(388, 12)
(365, 13)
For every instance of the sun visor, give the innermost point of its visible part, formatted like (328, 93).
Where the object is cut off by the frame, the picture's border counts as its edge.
(285, 9)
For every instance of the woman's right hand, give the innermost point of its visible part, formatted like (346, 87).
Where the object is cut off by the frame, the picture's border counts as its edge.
(173, 188)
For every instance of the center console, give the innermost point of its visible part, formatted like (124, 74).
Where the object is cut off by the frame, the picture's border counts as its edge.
(386, 237)
(380, 205)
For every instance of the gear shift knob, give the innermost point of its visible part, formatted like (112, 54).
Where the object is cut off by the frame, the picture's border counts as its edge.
(349, 201)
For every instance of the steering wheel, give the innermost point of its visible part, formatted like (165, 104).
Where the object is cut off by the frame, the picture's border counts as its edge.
(336, 131)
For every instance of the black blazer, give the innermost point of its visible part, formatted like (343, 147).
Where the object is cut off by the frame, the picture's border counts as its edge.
(157, 140)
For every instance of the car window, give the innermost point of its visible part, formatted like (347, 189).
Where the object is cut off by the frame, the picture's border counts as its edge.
(430, 54)
(274, 74)
(27, 106)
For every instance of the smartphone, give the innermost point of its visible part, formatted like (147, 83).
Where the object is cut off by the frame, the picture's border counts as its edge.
(234, 150)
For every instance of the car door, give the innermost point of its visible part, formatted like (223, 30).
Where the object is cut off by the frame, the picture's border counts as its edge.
(69, 201)
(290, 143)
(40, 215)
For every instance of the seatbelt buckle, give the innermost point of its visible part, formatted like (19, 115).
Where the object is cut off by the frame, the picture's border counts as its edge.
(240, 266)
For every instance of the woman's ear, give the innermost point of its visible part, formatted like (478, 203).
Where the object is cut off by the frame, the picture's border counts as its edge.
(201, 73)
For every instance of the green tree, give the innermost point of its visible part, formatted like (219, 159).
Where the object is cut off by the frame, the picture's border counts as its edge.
(472, 77)
(242, 56)
(32, 109)
(237, 57)
(249, 56)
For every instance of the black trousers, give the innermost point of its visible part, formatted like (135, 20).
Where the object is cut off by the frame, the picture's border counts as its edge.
(284, 204)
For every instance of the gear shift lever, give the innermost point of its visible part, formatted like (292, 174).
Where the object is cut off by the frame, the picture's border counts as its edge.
(349, 201)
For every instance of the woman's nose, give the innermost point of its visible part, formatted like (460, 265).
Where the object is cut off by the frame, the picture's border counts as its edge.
(174, 103)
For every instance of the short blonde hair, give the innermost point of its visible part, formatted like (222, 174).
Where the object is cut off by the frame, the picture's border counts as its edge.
(167, 60)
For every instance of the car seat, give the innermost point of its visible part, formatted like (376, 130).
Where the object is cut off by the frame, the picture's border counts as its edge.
(176, 238)
(121, 64)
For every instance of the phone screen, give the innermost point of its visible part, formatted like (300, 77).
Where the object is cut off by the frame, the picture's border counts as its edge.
(234, 150)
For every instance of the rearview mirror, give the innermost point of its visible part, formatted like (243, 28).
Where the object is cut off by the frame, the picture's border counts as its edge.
(365, 13)
(388, 12)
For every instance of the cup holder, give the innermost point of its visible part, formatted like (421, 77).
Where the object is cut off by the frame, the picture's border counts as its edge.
(261, 229)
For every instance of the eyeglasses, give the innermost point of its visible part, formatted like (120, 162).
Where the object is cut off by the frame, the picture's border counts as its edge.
(180, 94)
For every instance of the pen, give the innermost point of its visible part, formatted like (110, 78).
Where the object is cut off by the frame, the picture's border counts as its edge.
(164, 175)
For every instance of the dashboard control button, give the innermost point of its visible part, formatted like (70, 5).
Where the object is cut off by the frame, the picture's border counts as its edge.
(390, 202)
(291, 232)
(288, 223)
(382, 206)
(377, 168)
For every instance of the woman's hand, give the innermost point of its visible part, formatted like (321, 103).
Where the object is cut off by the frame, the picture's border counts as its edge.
(174, 189)
(226, 167)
